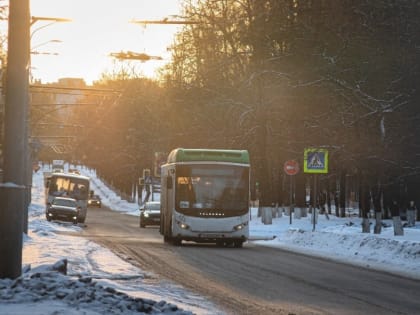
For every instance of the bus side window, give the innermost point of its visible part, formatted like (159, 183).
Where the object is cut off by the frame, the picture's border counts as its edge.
(79, 191)
(84, 193)
(52, 187)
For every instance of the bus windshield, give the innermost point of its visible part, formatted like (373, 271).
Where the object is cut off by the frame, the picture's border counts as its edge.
(212, 187)
(77, 188)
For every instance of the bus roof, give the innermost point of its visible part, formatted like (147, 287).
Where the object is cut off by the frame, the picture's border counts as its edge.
(70, 175)
(214, 155)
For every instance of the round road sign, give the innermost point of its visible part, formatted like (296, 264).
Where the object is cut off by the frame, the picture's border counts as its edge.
(291, 167)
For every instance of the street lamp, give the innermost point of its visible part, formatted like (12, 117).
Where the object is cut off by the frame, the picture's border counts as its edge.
(130, 55)
(47, 42)
(51, 20)
(35, 52)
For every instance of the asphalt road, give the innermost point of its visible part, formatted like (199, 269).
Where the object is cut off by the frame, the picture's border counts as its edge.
(256, 279)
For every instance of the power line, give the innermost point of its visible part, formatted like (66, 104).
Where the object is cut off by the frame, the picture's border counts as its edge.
(47, 87)
(164, 21)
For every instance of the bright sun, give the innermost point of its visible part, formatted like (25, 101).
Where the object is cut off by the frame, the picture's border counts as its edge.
(81, 48)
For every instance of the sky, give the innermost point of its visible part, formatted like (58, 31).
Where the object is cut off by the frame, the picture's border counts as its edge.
(94, 274)
(98, 28)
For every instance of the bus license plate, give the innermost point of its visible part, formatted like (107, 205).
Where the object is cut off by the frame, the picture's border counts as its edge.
(211, 235)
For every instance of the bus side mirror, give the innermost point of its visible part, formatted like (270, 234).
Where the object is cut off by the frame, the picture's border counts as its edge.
(169, 182)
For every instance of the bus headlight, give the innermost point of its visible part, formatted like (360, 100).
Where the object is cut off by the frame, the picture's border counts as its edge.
(183, 226)
(146, 215)
(239, 226)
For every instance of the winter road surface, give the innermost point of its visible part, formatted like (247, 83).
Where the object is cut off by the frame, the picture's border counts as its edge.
(255, 279)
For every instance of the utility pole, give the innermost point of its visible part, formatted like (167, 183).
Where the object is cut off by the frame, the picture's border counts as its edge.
(12, 190)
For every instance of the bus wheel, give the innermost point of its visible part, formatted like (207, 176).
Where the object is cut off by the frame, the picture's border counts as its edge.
(176, 241)
(238, 244)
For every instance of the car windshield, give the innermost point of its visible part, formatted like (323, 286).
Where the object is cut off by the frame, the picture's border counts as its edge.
(152, 206)
(64, 202)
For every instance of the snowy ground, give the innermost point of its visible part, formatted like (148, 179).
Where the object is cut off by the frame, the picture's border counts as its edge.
(98, 282)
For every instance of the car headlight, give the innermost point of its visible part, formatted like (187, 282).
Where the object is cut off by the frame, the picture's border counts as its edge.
(146, 215)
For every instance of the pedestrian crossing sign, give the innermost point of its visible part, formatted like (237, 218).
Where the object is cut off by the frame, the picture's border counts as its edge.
(315, 161)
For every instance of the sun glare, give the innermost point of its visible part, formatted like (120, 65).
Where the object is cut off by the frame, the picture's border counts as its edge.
(81, 48)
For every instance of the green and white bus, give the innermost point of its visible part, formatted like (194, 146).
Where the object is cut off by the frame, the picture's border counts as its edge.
(205, 197)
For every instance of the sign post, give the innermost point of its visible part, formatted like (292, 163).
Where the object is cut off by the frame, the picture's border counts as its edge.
(315, 161)
(159, 160)
(291, 168)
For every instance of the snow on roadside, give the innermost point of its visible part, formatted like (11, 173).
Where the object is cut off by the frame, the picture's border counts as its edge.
(66, 274)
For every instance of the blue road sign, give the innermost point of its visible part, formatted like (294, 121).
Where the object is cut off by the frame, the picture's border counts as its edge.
(315, 161)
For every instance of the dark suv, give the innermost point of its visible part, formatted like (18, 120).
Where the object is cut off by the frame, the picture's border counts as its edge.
(63, 208)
